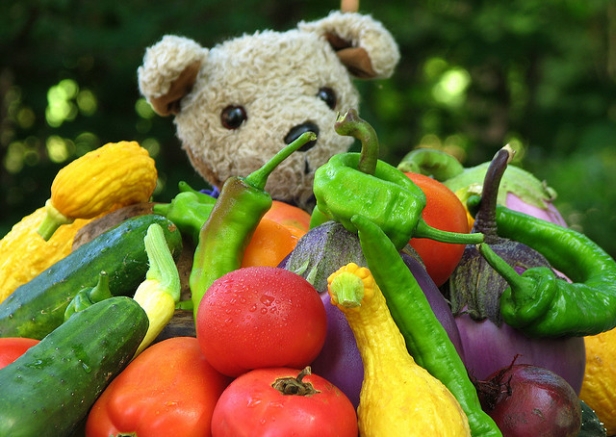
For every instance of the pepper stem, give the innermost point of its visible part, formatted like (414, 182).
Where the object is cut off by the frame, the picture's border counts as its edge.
(424, 230)
(351, 125)
(432, 162)
(258, 178)
(513, 278)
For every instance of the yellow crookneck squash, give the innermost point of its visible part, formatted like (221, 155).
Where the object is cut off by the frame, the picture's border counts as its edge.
(398, 397)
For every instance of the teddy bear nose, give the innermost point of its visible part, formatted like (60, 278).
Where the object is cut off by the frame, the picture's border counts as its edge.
(296, 131)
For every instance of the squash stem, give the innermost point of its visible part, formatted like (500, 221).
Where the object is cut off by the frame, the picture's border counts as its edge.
(52, 221)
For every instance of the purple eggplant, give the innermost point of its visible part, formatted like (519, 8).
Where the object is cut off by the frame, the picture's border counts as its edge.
(322, 251)
(474, 290)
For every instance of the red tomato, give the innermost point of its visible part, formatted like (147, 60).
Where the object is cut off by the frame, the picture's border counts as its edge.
(168, 390)
(446, 212)
(260, 317)
(12, 348)
(251, 406)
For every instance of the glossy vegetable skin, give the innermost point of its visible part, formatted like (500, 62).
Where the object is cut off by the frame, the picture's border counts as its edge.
(350, 182)
(37, 307)
(169, 389)
(398, 397)
(271, 402)
(12, 348)
(424, 336)
(257, 317)
(443, 211)
(543, 305)
(50, 388)
(234, 218)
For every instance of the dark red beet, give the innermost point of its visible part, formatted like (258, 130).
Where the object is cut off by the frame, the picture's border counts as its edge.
(526, 400)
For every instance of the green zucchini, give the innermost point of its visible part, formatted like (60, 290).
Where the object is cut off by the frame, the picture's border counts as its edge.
(591, 425)
(49, 390)
(36, 308)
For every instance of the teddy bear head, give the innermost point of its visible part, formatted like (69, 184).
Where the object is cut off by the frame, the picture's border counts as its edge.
(241, 101)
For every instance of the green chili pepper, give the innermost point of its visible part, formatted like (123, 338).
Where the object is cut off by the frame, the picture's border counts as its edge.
(426, 339)
(539, 303)
(431, 162)
(87, 297)
(188, 210)
(234, 218)
(359, 183)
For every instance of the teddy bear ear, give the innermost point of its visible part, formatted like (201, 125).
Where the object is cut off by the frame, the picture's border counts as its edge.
(362, 44)
(169, 71)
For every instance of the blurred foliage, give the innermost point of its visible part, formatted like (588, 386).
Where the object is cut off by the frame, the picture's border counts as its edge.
(474, 75)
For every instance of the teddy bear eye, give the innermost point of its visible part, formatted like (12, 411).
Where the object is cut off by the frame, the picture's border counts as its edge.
(328, 96)
(232, 117)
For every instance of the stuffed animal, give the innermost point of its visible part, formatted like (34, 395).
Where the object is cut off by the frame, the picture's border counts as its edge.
(240, 102)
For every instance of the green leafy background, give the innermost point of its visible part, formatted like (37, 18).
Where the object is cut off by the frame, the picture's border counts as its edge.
(474, 75)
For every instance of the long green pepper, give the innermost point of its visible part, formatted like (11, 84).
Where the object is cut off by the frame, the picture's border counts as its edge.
(538, 302)
(232, 222)
(426, 339)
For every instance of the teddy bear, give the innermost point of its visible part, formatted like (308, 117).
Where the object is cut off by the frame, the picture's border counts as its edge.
(238, 103)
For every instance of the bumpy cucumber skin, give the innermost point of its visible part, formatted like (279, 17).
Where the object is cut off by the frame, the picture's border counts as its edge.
(36, 308)
(49, 390)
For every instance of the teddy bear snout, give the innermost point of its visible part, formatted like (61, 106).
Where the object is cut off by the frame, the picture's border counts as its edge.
(298, 130)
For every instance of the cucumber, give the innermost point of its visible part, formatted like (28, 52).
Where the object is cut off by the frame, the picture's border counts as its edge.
(36, 308)
(49, 390)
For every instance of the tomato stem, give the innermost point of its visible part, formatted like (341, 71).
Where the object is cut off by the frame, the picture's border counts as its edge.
(294, 385)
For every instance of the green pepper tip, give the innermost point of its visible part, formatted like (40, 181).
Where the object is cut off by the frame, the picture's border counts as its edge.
(258, 178)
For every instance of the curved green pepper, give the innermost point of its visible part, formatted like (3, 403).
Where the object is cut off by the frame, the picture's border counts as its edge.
(431, 162)
(359, 184)
(232, 222)
(426, 339)
(538, 302)
(188, 210)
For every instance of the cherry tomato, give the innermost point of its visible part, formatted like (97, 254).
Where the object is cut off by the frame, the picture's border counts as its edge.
(260, 316)
(12, 348)
(446, 212)
(252, 406)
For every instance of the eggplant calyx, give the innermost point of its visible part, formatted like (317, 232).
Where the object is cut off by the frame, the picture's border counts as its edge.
(475, 287)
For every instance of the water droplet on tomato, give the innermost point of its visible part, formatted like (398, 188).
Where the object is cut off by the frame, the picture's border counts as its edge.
(253, 308)
(266, 300)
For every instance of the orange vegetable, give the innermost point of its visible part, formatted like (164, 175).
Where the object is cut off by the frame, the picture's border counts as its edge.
(289, 215)
(270, 243)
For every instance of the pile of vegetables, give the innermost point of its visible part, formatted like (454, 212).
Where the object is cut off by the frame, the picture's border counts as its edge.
(413, 300)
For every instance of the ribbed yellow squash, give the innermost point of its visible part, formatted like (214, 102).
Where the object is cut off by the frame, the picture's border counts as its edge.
(24, 253)
(107, 178)
(398, 397)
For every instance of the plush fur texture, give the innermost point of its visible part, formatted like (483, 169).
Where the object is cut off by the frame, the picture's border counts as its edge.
(276, 77)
